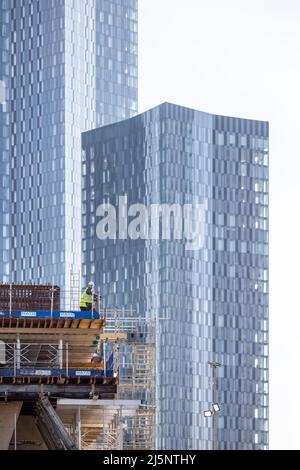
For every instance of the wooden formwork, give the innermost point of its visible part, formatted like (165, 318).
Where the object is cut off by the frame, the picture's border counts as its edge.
(29, 297)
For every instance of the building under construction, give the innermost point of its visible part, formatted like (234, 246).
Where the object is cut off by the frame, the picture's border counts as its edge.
(72, 379)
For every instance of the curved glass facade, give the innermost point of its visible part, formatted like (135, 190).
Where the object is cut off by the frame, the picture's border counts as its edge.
(70, 65)
(210, 303)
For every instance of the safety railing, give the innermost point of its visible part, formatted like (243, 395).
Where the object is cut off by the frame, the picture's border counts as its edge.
(19, 358)
(47, 298)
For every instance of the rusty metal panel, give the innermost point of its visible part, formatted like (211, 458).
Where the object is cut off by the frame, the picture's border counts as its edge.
(29, 297)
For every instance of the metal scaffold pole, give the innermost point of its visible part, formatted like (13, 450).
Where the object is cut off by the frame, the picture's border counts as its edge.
(18, 349)
(10, 299)
(78, 428)
(215, 416)
(52, 299)
(60, 353)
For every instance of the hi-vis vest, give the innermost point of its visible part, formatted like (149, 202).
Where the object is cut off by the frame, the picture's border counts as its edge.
(86, 299)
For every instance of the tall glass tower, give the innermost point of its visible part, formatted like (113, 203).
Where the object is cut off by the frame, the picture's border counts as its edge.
(4, 144)
(210, 303)
(69, 65)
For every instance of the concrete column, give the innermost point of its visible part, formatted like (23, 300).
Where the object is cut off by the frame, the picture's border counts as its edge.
(78, 428)
(2, 352)
(7, 421)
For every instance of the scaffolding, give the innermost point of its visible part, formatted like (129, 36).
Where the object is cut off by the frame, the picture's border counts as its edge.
(134, 365)
(97, 368)
(128, 422)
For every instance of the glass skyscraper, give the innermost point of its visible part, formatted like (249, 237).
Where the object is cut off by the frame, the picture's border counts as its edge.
(4, 144)
(210, 303)
(68, 65)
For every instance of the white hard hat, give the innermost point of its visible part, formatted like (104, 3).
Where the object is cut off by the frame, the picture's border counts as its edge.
(91, 283)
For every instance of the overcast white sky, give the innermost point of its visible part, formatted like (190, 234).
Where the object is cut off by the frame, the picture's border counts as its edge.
(242, 58)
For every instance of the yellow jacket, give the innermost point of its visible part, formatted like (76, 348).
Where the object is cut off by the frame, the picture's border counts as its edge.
(86, 298)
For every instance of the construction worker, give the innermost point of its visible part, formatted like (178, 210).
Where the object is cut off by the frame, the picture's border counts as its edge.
(88, 297)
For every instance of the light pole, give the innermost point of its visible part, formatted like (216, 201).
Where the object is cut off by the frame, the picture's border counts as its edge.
(215, 406)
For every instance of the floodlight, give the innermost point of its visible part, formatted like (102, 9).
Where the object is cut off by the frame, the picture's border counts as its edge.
(214, 363)
(216, 407)
(208, 414)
